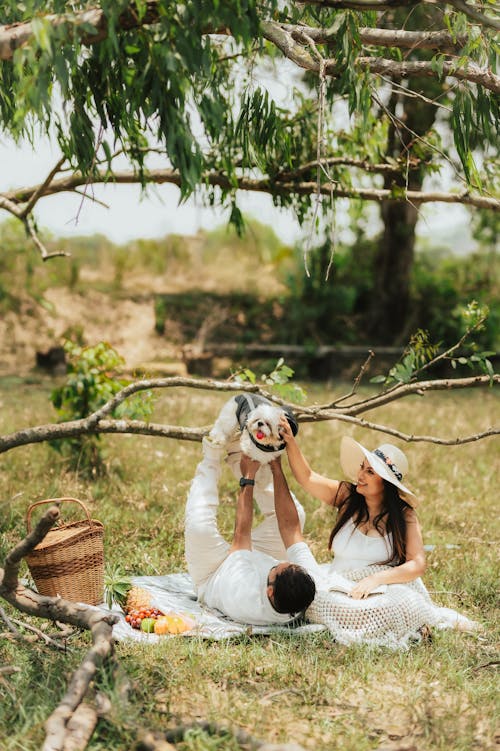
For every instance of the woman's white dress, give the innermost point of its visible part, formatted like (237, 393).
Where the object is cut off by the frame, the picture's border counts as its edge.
(391, 618)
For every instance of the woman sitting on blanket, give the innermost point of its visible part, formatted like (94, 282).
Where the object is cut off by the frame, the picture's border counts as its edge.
(375, 504)
(376, 541)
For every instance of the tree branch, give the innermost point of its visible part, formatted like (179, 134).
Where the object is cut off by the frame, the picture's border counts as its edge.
(22, 213)
(264, 185)
(409, 438)
(432, 40)
(30, 204)
(11, 207)
(15, 35)
(361, 5)
(419, 387)
(95, 423)
(73, 428)
(334, 161)
(285, 41)
(40, 634)
(58, 726)
(10, 625)
(356, 382)
(469, 72)
(29, 225)
(9, 580)
(471, 12)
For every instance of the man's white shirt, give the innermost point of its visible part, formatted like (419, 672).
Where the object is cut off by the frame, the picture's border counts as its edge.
(239, 586)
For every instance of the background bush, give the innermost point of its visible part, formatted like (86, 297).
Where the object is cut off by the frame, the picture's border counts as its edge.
(275, 299)
(337, 310)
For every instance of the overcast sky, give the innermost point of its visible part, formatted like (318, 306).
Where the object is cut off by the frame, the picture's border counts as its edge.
(131, 216)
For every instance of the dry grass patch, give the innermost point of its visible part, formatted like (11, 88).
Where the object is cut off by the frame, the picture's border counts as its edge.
(308, 689)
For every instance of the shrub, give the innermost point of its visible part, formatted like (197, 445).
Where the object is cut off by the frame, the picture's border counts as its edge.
(329, 305)
(336, 309)
(91, 382)
(443, 285)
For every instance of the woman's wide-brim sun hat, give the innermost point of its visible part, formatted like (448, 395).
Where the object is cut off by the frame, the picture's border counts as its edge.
(387, 461)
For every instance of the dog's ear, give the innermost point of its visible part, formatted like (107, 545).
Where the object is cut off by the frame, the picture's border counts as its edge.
(245, 405)
(292, 420)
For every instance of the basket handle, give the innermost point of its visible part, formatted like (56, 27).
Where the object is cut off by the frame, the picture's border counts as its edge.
(55, 500)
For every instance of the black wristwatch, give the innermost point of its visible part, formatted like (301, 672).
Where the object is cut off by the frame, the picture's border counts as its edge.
(246, 481)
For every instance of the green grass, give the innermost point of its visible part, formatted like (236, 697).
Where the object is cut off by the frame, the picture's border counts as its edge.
(281, 688)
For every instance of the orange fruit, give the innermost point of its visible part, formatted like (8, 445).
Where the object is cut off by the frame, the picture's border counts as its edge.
(172, 624)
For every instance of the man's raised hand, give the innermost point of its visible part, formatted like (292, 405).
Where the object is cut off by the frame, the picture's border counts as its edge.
(248, 467)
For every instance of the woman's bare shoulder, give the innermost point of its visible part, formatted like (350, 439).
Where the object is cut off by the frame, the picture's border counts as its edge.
(410, 515)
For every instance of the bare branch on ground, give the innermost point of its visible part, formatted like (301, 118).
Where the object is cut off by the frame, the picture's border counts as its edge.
(70, 719)
(72, 723)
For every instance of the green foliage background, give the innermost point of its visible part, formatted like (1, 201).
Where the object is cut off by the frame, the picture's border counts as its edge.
(266, 281)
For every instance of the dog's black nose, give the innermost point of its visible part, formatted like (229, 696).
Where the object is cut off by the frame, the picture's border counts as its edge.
(260, 424)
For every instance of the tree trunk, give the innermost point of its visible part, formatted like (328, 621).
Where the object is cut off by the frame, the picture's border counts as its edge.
(393, 265)
(395, 254)
(411, 119)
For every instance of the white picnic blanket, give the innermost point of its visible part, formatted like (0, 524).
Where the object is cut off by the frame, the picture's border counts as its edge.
(174, 593)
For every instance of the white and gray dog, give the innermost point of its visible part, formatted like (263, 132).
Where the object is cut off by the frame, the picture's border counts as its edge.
(257, 421)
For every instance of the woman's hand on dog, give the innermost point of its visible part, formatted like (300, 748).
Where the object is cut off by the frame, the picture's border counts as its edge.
(285, 430)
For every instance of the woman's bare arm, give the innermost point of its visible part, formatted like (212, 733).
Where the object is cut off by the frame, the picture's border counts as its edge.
(411, 569)
(317, 485)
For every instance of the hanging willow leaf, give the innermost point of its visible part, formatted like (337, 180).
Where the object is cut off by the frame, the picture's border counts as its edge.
(203, 81)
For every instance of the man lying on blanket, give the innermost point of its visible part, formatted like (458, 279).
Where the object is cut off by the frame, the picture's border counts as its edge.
(266, 575)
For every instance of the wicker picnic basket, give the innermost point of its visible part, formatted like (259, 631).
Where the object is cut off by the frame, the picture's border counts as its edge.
(69, 561)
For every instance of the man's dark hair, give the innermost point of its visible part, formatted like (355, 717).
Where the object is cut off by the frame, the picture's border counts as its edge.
(293, 590)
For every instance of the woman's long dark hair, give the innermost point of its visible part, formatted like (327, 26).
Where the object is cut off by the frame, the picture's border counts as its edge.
(353, 506)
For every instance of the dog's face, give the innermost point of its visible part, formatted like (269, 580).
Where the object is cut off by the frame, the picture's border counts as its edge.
(263, 424)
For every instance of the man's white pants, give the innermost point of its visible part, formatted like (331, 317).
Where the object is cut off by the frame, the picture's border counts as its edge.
(205, 548)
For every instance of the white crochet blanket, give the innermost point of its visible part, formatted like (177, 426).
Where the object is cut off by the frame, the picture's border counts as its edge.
(391, 619)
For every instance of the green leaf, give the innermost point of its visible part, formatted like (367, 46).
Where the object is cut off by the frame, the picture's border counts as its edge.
(41, 31)
(107, 152)
(398, 192)
(437, 64)
(250, 375)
